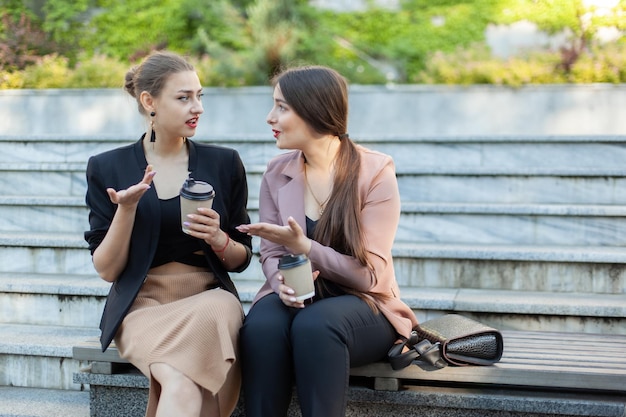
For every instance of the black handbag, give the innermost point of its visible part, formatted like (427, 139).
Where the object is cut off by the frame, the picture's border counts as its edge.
(451, 339)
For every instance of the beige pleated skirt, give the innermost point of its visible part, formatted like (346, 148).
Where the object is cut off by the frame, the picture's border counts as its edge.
(185, 321)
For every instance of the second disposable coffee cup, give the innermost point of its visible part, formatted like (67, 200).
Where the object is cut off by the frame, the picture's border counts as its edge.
(296, 270)
(193, 195)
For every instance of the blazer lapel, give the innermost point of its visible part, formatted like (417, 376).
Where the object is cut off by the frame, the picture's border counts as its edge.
(291, 195)
(149, 202)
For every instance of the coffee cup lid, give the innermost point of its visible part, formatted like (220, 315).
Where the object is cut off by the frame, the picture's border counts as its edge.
(196, 190)
(291, 261)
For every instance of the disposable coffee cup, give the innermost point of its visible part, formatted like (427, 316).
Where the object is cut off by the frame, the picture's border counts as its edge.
(296, 270)
(193, 195)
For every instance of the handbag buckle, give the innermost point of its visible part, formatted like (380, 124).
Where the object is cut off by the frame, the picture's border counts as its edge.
(430, 353)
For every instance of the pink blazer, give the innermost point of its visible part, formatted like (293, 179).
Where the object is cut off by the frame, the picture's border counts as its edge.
(282, 195)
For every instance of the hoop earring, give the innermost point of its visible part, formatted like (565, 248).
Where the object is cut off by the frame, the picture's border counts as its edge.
(152, 134)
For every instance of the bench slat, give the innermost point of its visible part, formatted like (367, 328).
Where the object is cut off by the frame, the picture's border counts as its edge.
(90, 350)
(504, 374)
(569, 361)
(537, 359)
(577, 361)
(610, 351)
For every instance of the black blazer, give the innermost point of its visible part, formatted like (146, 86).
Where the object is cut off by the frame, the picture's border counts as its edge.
(122, 167)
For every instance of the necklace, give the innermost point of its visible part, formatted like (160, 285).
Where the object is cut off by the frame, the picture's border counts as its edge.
(321, 205)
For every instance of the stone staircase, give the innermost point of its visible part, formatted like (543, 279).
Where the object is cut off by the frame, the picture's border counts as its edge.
(519, 232)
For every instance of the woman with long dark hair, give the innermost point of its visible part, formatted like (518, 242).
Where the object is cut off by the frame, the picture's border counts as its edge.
(339, 204)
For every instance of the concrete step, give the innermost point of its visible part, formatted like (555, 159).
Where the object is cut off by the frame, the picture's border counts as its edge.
(254, 150)
(40, 179)
(43, 179)
(519, 186)
(43, 214)
(435, 151)
(39, 402)
(524, 310)
(512, 224)
(77, 301)
(52, 299)
(526, 224)
(540, 169)
(54, 214)
(50, 253)
(41, 356)
(514, 267)
(419, 184)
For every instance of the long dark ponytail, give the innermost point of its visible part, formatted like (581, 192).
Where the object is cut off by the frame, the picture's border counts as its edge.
(319, 95)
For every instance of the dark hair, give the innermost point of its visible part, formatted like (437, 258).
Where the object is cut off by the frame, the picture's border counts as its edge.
(152, 74)
(319, 95)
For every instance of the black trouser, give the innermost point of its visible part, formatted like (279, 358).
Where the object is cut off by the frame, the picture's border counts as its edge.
(315, 346)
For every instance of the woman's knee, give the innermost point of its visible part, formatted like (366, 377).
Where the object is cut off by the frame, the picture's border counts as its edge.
(316, 328)
(265, 320)
(172, 379)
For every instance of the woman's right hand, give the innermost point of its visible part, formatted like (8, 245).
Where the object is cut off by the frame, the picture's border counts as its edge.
(130, 196)
(111, 256)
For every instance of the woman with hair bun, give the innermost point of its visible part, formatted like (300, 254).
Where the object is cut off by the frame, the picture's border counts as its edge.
(172, 309)
(339, 204)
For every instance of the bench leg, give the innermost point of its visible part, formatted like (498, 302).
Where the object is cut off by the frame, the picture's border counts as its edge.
(386, 384)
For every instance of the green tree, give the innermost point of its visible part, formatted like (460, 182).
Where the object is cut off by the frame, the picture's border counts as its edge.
(406, 38)
(65, 21)
(581, 19)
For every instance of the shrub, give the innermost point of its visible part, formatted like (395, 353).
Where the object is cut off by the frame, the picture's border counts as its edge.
(476, 66)
(98, 71)
(22, 42)
(11, 80)
(243, 42)
(51, 72)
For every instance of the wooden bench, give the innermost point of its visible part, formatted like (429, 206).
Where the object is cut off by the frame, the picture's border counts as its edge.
(561, 361)
(542, 362)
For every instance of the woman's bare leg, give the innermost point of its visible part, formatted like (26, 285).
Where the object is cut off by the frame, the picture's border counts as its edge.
(180, 396)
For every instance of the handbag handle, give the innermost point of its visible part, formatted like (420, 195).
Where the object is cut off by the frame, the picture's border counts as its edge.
(423, 350)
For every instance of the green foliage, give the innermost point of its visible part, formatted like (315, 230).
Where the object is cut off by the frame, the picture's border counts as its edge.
(22, 42)
(407, 37)
(11, 80)
(271, 36)
(91, 43)
(54, 71)
(601, 65)
(98, 71)
(125, 28)
(15, 9)
(477, 66)
(64, 22)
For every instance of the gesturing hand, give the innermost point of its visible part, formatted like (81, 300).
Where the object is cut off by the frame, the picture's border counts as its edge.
(290, 236)
(130, 196)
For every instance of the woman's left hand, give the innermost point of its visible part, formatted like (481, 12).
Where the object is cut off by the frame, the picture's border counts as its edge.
(286, 294)
(205, 225)
(290, 236)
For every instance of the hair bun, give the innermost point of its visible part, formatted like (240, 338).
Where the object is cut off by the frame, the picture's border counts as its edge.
(129, 81)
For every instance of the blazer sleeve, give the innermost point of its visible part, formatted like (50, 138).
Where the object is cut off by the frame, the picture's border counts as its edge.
(101, 209)
(380, 215)
(269, 213)
(236, 212)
